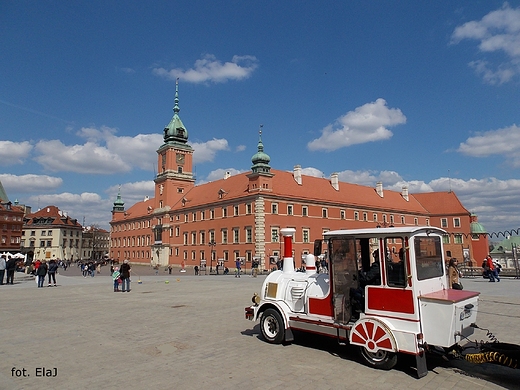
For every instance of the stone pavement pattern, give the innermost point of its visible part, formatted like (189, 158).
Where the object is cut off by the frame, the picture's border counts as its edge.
(191, 333)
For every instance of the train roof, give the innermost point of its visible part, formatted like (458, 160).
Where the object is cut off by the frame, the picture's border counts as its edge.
(377, 232)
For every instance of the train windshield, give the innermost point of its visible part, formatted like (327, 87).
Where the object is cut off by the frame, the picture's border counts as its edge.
(428, 257)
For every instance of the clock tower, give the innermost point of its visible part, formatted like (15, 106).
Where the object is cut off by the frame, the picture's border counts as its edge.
(175, 162)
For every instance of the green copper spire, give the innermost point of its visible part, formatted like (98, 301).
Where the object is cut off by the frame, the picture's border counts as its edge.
(175, 132)
(475, 226)
(260, 159)
(119, 205)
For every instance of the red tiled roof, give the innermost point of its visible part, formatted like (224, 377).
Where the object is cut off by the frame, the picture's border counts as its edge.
(441, 203)
(53, 212)
(312, 189)
(140, 208)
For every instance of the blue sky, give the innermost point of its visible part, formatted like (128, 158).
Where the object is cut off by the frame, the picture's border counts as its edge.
(424, 94)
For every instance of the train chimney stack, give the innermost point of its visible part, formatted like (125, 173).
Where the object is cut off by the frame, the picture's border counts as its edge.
(288, 260)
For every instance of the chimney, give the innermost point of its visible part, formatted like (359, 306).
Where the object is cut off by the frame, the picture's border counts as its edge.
(227, 175)
(297, 174)
(334, 181)
(404, 193)
(379, 188)
(288, 260)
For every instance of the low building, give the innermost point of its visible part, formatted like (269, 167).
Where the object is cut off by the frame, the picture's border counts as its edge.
(95, 243)
(506, 253)
(49, 233)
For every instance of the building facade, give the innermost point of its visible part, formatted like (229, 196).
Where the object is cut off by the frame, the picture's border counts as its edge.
(50, 234)
(11, 222)
(95, 243)
(239, 217)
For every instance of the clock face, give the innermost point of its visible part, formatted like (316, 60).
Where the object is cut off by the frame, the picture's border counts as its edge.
(180, 158)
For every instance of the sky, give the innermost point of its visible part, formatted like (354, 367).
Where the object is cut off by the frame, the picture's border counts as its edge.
(423, 94)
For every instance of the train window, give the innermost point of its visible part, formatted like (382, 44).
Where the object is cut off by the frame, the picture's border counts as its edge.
(395, 262)
(428, 257)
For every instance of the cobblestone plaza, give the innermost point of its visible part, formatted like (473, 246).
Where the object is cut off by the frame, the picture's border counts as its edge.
(182, 331)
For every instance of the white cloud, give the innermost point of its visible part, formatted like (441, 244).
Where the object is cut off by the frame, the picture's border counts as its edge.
(29, 183)
(104, 152)
(240, 148)
(138, 151)
(206, 151)
(209, 69)
(218, 174)
(498, 31)
(132, 193)
(14, 152)
(367, 123)
(88, 158)
(496, 202)
(310, 171)
(504, 142)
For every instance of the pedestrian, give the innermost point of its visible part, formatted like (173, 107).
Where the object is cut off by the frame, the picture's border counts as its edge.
(254, 274)
(41, 272)
(217, 267)
(116, 279)
(84, 269)
(492, 271)
(92, 269)
(2, 268)
(156, 268)
(36, 265)
(238, 266)
(125, 276)
(196, 269)
(453, 275)
(169, 269)
(53, 268)
(10, 267)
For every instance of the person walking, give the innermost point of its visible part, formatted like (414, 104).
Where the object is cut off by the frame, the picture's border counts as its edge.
(10, 267)
(238, 265)
(125, 276)
(41, 272)
(492, 271)
(53, 268)
(2, 269)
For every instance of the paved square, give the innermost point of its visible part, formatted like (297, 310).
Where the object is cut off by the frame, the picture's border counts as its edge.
(190, 333)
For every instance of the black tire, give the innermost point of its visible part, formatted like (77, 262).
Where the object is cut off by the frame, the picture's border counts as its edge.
(382, 360)
(272, 326)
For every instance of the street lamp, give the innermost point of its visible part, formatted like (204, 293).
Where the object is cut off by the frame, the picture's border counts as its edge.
(212, 245)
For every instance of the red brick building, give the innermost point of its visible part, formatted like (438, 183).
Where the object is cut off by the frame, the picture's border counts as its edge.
(240, 216)
(11, 222)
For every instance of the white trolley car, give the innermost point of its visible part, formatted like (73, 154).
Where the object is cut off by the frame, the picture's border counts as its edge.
(406, 307)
